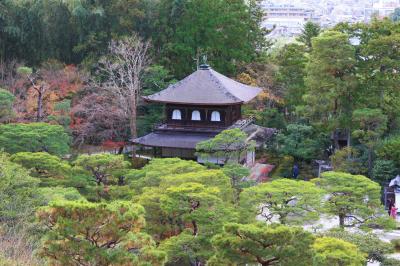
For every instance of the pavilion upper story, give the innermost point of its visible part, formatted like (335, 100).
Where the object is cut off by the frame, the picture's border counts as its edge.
(204, 99)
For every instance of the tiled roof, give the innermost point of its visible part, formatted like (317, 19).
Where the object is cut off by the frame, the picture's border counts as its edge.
(206, 87)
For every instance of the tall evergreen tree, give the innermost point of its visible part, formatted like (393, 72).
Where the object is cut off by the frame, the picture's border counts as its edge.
(331, 84)
(227, 32)
(291, 73)
(309, 31)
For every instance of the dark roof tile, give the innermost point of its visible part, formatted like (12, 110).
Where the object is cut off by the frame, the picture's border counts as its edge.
(206, 87)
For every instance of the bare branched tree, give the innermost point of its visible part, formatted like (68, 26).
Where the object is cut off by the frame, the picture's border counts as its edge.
(39, 85)
(121, 73)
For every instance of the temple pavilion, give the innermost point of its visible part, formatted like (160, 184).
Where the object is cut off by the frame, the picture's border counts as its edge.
(197, 108)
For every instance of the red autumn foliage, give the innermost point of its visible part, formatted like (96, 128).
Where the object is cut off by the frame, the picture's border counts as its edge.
(96, 118)
(109, 144)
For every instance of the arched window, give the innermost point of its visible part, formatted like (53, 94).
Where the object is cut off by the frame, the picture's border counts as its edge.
(176, 115)
(215, 116)
(196, 115)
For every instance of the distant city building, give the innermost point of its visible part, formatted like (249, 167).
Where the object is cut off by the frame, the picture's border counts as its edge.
(284, 26)
(381, 9)
(288, 11)
(287, 20)
(287, 17)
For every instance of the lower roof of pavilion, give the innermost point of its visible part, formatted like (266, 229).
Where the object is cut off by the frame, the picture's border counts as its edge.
(166, 137)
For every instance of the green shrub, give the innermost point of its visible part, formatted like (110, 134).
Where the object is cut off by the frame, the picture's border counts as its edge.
(396, 243)
(284, 168)
(6, 103)
(270, 118)
(120, 193)
(367, 243)
(59, 193)
(210, 165)
(390, 262)
(390, 149)
(381, 222)
(347, 160)
(384, 170)
(300, 141)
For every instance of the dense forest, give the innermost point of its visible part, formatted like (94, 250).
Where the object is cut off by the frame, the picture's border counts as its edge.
(71, 76)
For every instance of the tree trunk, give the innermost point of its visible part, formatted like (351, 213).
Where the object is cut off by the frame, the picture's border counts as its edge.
(132, 125)
(348, 143)
(132, 120)
(369, 162)
(120, 150)
(282, 219)
(194, 261)
(195, 228)
(336, 139)
(341, 220)
(39, 114)
(348, 137)
(99, 179)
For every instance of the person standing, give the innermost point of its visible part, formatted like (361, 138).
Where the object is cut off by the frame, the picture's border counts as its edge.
(390, 204)
(393, 212)
(295, 171)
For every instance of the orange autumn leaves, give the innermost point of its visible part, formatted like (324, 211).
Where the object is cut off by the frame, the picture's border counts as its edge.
(265, 95)
(60, 82)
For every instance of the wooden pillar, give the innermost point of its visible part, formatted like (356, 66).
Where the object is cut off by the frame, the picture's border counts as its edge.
(228, 115)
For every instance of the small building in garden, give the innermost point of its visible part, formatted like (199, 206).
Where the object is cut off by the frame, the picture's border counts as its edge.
(197, 108)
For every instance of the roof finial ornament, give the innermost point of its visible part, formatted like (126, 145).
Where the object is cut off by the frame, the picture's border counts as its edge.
(204, 65)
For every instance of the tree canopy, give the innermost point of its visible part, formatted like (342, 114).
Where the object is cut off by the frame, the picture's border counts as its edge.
(299, 141)
(263, 244)
(287, 201)
(310, 30)
(103, 167)
(336, 252)
(42, 164)
(34, 137)
(101, 234)
(354, 199)
(229, 145)
(331, 82)
(18, 193)
(225, 33)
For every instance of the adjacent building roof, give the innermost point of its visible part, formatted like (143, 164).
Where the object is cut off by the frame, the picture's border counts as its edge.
(206, 87)
(254, 132)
